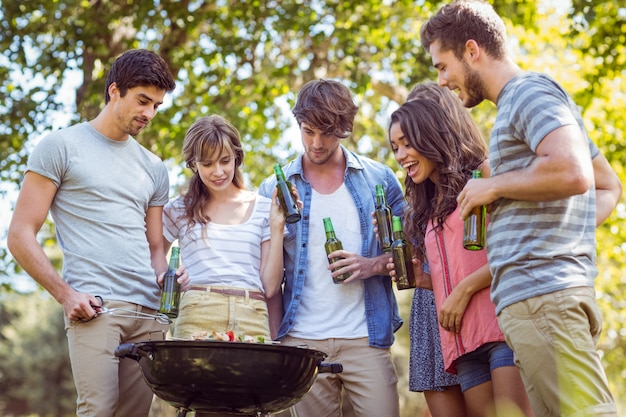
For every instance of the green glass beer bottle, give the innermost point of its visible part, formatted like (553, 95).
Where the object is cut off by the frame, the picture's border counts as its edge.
(383, 220)
(332, 244)
(474, 229)
(170, 295)
(401, 252)
(286, 198)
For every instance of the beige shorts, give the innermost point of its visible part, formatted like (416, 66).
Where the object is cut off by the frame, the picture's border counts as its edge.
(553, 337)
(203, 310)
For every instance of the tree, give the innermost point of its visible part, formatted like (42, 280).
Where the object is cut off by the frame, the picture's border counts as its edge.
(243, 59)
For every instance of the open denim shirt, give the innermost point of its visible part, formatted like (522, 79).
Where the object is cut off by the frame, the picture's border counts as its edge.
(361, 176)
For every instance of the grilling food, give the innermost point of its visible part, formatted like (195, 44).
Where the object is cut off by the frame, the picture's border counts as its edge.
(228, 336)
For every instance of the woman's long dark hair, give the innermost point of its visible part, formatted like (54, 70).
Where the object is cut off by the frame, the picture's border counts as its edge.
(207, 137)
(436, 124)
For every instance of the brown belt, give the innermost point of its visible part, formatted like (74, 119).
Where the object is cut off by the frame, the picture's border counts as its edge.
(226, 291)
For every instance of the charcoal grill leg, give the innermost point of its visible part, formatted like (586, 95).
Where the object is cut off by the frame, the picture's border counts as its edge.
(182, 412)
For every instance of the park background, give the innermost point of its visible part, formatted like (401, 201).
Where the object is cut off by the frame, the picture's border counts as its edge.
(246, 60)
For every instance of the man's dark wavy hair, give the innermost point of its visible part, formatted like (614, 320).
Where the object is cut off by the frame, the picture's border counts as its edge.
(462, 20)
(139, 67)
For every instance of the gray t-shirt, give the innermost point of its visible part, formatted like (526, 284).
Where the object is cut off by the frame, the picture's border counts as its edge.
(536, 248)
(104, 190)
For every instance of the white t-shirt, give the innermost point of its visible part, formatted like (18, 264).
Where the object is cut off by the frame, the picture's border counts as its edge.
(329, 310)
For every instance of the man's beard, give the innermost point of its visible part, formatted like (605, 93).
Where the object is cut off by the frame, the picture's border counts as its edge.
(474, 87)
(318, 160)
(132, 129)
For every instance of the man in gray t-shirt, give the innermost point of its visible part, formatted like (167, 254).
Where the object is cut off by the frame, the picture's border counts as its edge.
(550, 187)
(105, 193)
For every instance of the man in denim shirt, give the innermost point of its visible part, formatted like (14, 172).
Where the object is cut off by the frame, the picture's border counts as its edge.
(352, 322)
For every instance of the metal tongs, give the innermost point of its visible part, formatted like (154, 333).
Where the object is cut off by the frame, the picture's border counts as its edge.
(123, 312)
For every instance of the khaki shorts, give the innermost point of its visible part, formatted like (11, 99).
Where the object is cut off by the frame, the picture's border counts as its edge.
(207, 311)
(553, 337)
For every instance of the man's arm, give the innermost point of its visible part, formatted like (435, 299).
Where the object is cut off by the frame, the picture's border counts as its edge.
(562, 168)
(30, 212)
(154, 234)
(608, 188)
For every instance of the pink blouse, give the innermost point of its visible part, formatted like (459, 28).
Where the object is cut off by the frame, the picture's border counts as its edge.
(450, 263)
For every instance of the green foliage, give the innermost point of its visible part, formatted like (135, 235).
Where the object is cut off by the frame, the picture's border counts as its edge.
(35, 375)
(243, 60)
(602, 27)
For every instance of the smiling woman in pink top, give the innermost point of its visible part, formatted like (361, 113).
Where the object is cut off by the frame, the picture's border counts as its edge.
(439, 160)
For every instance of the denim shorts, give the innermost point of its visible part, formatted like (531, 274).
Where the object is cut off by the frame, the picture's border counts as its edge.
(475, 368)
